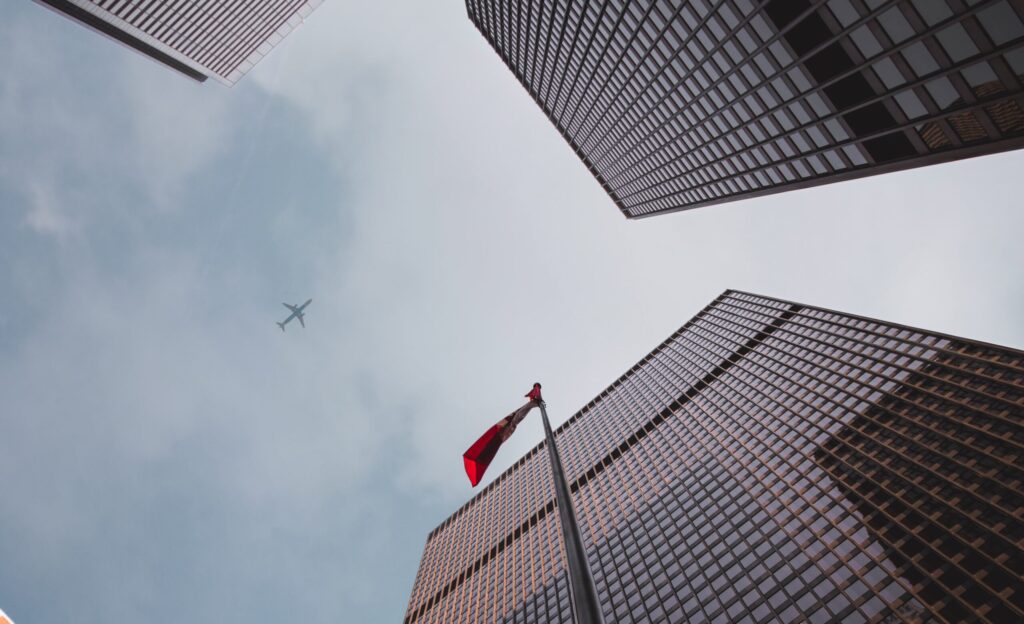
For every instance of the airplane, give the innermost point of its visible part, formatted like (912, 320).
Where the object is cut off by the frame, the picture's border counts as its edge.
(296, 313)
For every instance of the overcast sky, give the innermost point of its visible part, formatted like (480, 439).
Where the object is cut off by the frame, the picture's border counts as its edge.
(168, 455)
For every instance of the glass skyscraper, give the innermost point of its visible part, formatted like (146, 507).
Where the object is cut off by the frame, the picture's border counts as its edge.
(674, 105)
(222, 39)
(769, 462)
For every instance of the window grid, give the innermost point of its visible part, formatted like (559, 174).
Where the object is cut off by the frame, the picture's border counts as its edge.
(676, 105)
(222, 39)
(769, 461)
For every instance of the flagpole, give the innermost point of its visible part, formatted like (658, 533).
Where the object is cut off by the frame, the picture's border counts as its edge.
(586, 607)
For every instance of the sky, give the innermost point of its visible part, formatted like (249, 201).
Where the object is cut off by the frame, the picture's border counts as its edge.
(167, 454)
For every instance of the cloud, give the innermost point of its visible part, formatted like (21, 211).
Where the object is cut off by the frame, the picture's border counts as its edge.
(166, 453)
(148, 434)
(483, 255)
(44, 215)
(139, 131)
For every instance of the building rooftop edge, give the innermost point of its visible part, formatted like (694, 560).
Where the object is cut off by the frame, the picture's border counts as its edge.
(636, 366)
(590, 405)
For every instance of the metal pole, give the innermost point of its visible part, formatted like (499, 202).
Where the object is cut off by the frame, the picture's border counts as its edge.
(586, 607)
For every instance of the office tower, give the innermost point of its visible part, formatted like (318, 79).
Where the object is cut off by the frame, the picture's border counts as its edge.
(674, 105)
(221, 40)
(770, 461)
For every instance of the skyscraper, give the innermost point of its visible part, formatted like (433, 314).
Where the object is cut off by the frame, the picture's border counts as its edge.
(222, 40)
(769, 461)
(674, 105)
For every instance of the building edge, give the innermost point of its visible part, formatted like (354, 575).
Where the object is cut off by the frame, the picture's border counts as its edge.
(96, 24)
(637, 366)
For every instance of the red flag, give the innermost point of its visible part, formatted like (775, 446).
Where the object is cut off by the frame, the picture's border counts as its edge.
(534, 395)
(479, 456)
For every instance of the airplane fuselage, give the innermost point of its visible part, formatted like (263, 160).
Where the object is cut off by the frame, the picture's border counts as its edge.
(297, 313)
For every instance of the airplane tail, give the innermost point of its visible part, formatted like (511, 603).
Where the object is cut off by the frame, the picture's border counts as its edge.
(281, 325)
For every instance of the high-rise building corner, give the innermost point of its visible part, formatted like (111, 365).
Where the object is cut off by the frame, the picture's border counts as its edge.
(221, 40)
(675, 105)
(769, 462)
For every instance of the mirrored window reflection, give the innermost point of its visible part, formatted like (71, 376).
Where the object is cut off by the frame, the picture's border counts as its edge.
(910, 105)
(1001, 23)
(957, 43)
(932, 12)
(661, 102)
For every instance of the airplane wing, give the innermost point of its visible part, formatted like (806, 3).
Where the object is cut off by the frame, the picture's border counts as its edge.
(289, 306)
(302, 321)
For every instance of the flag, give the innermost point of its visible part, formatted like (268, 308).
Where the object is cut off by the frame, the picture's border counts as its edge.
(479, 456)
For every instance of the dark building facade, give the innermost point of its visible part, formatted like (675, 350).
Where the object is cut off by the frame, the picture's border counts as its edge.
(769, 462)
(221, 40)
(674, 105)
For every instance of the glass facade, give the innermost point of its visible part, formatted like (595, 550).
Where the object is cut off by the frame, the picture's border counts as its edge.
(769, 462)
(223, 39)
(674, 105)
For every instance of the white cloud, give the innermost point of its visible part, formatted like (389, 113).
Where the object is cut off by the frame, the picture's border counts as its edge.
(484, 255)
(44, 215)
(141, 127)
(168, 427)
